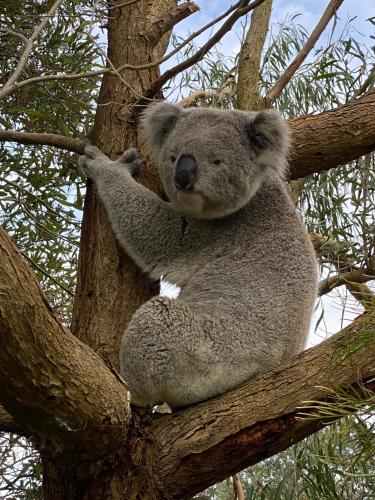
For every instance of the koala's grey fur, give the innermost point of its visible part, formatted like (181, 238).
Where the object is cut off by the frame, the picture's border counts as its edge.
(234, 244)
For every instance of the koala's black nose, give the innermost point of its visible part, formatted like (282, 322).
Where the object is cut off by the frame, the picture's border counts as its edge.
(186, 173)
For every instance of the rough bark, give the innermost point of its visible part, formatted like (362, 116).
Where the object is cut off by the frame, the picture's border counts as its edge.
(248, 96)
(77, 411)
(165, 22)
(74, 407)
(50, 382)
(110, 288)
(209, 442)
(334, 137)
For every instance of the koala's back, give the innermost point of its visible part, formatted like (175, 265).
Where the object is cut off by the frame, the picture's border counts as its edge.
(253, 274)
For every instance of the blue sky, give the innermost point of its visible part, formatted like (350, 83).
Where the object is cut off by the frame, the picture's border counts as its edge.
(310, 12)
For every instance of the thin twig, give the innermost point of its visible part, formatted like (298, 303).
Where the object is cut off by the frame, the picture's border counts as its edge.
(276, 90)
(47, 231)
(63, 287)
(7, 88)
(42, 202)
(6, 32)
(112, 67)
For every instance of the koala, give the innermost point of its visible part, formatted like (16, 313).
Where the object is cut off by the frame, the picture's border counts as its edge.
(229, 237)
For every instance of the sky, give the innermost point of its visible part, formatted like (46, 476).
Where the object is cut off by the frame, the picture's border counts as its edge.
(310, 13)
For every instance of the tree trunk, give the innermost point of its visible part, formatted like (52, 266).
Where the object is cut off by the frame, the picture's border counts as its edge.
(105, 480)
(74, 407)
(110, 288)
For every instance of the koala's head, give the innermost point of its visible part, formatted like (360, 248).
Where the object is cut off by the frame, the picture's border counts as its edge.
(212, 162)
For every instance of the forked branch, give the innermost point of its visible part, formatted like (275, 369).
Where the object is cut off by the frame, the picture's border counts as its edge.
(243, 8)
(168, 20)
(58, 389)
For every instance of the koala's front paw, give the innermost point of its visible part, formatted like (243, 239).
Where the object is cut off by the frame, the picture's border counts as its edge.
(131, 161)
(92, 161)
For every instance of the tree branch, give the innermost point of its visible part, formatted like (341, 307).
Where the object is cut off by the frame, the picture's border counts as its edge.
(368, 83)
(363, 294)
(356, 276)
(206, 443)
(242, 9)
(248, 96)
(52, 383)
(301, 56)
(8, 86)
(336, 253)
(56, 140)
(239, 493)
(167, 20)
(61, 392)
(195, 96)
(8, 424)
(320, 141)
(332, 138)
(16, 34)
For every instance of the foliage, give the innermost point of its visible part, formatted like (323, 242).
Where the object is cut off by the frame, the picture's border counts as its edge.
(20, 469)
(41, 193)
(41, 201)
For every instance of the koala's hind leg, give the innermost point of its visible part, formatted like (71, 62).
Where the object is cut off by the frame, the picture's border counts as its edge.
(166, 356)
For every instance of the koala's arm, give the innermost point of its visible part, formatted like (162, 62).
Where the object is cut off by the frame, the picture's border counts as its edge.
(145, 226)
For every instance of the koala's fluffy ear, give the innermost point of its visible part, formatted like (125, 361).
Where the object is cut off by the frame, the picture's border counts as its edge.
(157, 122)
(268, 132)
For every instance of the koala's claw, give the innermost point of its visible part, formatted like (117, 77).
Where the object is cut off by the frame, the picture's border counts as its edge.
(89, 161)
(131, 160)
(92, 152)
(129, 155)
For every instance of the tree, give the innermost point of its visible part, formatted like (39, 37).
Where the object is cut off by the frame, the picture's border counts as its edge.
(60, 387)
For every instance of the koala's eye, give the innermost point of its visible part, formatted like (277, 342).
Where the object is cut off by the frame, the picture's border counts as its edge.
(217, 162)
(172, 158)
